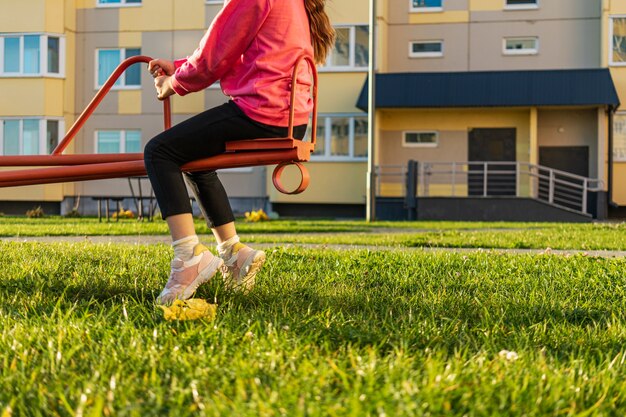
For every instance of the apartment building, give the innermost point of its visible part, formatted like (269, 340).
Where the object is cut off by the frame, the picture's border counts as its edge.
(500, 101)
(56, 54)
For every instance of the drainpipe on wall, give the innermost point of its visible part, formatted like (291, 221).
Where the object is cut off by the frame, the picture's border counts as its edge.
(610, 159)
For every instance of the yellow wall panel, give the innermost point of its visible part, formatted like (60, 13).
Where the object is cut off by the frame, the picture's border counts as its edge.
(486, 5)
(55, 16)
(619, 183)
(24, 16)
(191, 103)
(617, 6)
(338, 92)
(129, 39)
(462, 120)
(152, 15)
(331, 183)
(454, 16)
(54, 97)
(189, 14)
(27, 96)
(129, 102)
(85, 4)
(348, 11)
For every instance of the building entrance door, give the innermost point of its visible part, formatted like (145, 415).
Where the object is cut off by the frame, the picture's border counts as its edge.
(491, 145)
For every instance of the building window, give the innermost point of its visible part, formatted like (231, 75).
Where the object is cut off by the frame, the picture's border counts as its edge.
(619, 137)
(29, 136)
(617, 54)
(420, 139)
(118, 141)
(107, 60)
(425, 49)
(520, 46)
(118, 3)
(351, 49)
(426, 5)
(27, 55)
(521, 4)
(341, 138)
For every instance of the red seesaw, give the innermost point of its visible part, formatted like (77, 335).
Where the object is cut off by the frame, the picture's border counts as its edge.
(244, 153)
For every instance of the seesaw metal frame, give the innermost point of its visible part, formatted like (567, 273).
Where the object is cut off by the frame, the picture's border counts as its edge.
(244, 153)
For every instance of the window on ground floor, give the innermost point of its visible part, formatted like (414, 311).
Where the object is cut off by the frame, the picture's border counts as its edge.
(28, 136)
(420, 139)
(341, 137)
(118, 141)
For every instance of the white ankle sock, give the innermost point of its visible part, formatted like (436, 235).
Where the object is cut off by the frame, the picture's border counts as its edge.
(224, 248)
(183, 248)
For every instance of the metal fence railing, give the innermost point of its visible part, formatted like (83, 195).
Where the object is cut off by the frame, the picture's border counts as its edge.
(486, 179)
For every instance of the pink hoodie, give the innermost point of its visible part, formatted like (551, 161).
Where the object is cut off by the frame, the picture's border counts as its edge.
(251, 48)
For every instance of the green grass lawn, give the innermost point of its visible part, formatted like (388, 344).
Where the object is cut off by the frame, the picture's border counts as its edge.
(324, 333)
(588, 236)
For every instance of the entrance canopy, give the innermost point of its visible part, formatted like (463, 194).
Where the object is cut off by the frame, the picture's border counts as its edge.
(579, 87)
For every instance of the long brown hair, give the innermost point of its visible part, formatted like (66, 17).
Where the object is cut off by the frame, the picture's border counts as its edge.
(322, 32)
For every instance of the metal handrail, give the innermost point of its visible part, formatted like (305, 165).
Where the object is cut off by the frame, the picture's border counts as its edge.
(564, 189)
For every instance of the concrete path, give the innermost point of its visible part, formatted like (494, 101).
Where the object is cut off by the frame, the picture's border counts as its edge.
(162, 239)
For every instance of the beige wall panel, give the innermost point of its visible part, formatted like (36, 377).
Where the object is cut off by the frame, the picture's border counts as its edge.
(210, 11)
(348, 11)
(49, 192)
(95, 20)
(24, 16)
(619, 183)
(85, 4)
(338, 92)
(245, 182)
(563, 44)
(28, 96)
(331, 183)
(570, 128)
(214, 97)
(616, 7)
(548, 10)
(155, 45)
(455, 44)
(185, 42)
(69, 98)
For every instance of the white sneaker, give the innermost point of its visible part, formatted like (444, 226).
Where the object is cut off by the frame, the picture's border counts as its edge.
(187, 276)
(241, 265)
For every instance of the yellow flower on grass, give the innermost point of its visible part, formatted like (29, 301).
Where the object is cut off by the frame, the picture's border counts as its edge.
(192, 309)
(256, 216)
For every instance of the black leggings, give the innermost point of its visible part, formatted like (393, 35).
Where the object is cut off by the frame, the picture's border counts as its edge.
(199, 137)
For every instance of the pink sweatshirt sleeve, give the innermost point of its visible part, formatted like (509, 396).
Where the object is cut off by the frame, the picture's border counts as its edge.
(228, 37)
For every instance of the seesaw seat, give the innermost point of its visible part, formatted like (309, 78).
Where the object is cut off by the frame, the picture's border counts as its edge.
(244, 153)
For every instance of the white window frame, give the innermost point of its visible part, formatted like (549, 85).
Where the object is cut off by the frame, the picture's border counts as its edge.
(514, 52)
(425, 9)
(122, 138)
(406, 144)
(425, 54)
(122, 79)
(508, 6)
(122, 3)
(611, 62)
(43, 130)
(214, 1)
(43, 56)
(326, 120)
(351, 67)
